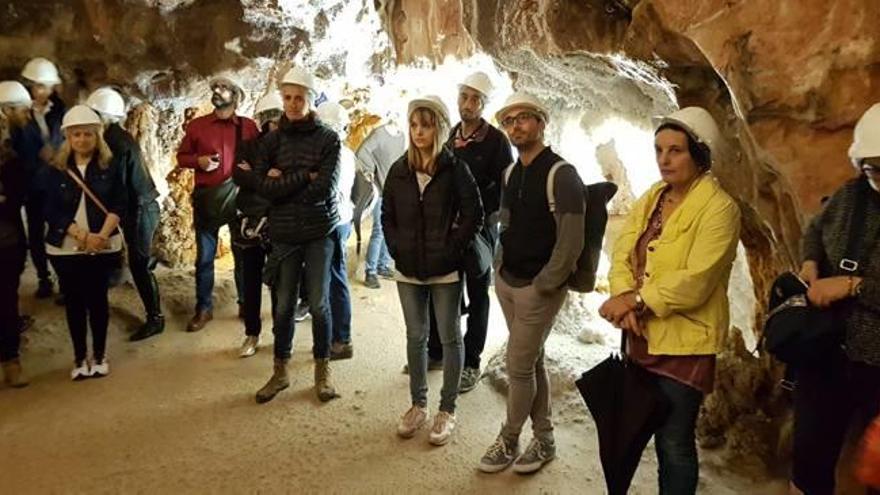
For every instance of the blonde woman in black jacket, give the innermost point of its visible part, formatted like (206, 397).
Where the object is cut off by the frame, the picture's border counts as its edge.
(431, 211)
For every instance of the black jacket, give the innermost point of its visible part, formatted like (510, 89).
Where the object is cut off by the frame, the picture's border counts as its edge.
(248, 201)
(140, 190)
(12, 191)
(63, 195)
(427, 233)
(302, 210)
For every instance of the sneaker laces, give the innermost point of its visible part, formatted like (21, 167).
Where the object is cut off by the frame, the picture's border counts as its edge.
(497, 448)
(440, 421)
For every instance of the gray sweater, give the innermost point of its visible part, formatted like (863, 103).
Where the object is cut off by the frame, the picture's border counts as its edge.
(825, 242)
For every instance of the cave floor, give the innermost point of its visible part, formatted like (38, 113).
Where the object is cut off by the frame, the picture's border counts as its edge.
(177, 414)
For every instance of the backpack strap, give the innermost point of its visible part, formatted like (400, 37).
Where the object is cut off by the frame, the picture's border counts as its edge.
(551, 180)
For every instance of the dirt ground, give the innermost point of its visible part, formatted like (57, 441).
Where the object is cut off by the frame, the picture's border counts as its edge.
(177, 414)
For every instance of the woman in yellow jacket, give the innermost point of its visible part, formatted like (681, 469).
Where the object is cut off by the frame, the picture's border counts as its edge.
(669, 274)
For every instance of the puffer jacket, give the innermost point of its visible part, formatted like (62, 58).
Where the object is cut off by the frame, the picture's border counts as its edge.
(428, 232)
(302, 210)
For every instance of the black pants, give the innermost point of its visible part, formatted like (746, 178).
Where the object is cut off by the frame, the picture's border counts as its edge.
(477, 290)
(11, 264)
(36, 230)
(84, 280)
(827, 401)
(139, 238)
(253, 259)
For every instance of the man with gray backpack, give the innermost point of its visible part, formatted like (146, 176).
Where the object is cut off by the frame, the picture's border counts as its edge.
(539, 256)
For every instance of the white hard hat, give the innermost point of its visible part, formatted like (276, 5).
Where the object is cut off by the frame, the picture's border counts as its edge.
(269, 101)
(699, 124)
(107, 101)
(480, 82)
(332, 114)
(40, 70)
(300, 77)
(519, 100)
(432, 102)
(866, 136)
(80, 115)
(14, 94)
(230, 80)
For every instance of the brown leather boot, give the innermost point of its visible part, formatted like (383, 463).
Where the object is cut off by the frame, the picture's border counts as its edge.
(198, 322)
(279, 381)
(13, 375)
(323, 383)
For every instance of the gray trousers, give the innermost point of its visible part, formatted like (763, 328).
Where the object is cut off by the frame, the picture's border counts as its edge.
(529, 317)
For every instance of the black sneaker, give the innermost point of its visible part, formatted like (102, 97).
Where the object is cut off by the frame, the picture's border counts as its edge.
(44, 289)
(470, 378)
(372, 281)
(386, 273)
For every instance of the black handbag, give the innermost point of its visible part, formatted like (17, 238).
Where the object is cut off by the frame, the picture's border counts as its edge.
(800, 334)
(214, 206)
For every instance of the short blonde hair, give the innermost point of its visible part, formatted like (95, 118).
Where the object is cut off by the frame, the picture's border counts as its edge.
(441, 131)
(104, 153)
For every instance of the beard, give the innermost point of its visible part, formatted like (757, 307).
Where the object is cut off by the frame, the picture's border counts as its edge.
(222, 102)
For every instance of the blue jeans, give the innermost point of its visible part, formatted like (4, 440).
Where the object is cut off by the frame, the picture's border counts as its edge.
(206, 251)
(378, 257)
(314, 258)
(414, 300)
(675, 441)
(340, 296)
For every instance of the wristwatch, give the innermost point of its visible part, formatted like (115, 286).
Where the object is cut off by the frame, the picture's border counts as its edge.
(640, 303)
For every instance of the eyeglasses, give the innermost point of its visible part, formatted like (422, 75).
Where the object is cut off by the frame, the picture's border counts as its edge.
(520, 118)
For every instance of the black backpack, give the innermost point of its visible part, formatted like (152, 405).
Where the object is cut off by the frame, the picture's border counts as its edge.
(596, 198)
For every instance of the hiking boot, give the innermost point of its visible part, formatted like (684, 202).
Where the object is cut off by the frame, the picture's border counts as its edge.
(444, 425)
(199, 320)
(412, 420)
(154, 326)
(372, 281)
(433, 365)
(13, 375)
(277, 383)
(323, 381)
(341, 350)
(301, 312)
(470, 377)
(386, 273)
(538, 453)
(249, 346)
(44, 289)
(500, 455)
(100, 368)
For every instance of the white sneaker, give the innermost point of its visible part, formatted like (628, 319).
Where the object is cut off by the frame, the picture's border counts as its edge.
(441, 432)
(80, 371)
(100, 368)
(411, 421)
(249, 346)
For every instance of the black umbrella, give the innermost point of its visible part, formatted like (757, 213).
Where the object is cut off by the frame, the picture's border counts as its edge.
(628, 408)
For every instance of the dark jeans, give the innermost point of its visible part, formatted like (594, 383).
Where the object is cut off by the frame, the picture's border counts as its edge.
(85, 281)
(313, 258)
(206, 251)
(139, 239)
(11, 264)
(827, 401)
(677, 462)
(36, 230)
(253, 259)
(478, 303)
(340, 296)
